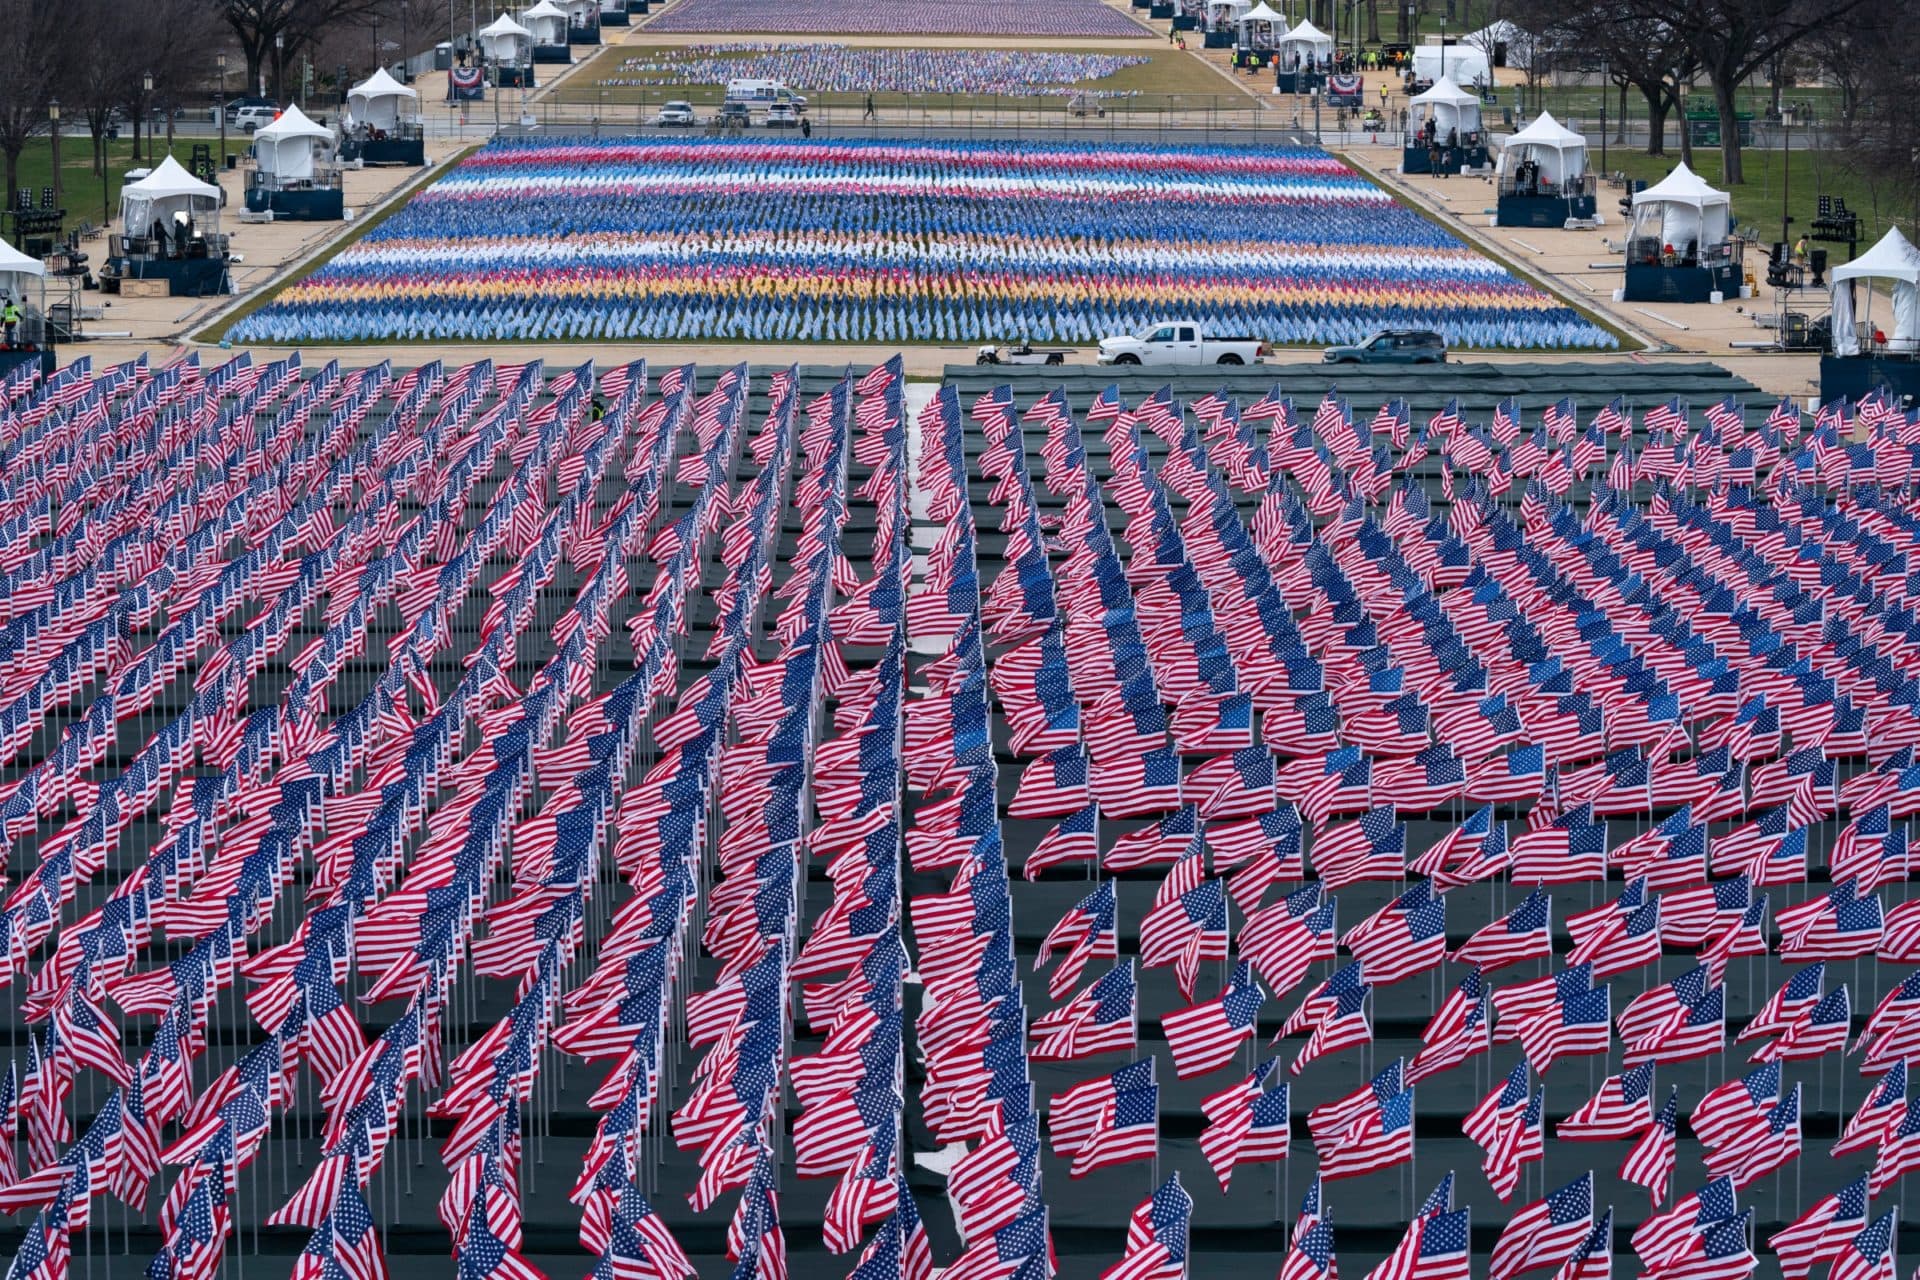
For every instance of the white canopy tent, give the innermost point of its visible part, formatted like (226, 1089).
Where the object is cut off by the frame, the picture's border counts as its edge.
(1220, 12)
(1261, 15)
(285, 147)
(504, 40)
(21, 277)
(1559, 152)
(1681, 210)
(547, 21)
(1896, 261)
(382, 102)
(1459, 63)
(170, 196)
(1305, 45)
(582, 13)
(1449, 107)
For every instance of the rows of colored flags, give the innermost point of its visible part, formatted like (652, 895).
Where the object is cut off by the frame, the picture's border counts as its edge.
(268, 786)
(883, 241)
(821, 67)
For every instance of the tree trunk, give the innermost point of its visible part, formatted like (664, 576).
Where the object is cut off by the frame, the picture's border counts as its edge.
(1620, 135)
(1730, 169)
(1373, 21)
(13, 176)
(134, 119)
(1656, 119)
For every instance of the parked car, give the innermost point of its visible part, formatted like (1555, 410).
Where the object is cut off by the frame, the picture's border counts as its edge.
(679, 114)
(731, 115)
(248, 119)
(1392, 346)
(234, 106)
(781, 115)
(1181, 342)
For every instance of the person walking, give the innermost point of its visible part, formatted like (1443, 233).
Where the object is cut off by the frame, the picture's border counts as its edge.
(10, 318)
(806, 127)
(870, 113)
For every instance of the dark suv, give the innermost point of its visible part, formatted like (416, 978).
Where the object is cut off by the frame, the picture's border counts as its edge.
(1392, 346)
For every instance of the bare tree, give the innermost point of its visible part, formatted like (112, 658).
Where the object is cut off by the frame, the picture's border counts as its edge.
(1844, 52)
(101, 74)
(1646, 54)
(30, 59)
(1881, 141)
(273, 32)
(180, 36)
(1733, 39)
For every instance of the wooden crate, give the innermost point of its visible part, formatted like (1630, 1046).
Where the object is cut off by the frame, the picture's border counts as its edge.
(131, 288)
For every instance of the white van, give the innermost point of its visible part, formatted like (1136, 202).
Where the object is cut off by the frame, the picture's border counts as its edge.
(755, 93)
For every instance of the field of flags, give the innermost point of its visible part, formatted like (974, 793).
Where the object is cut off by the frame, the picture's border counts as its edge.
(829, 67)
(811, 240)
(644, 823)
(902, 17)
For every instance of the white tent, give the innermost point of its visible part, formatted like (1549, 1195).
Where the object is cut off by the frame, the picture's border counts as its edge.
(285, 147)
(1305, 45)
(1449, 107)
(1683, 211)
(1896, 261)
(1459, 63)
(169, 195)
(582, 13)
(1219, 11)
(20, 276)
(1560, 153)
(1262, 14)
(381, 101)
(547, 21)
(504, 40)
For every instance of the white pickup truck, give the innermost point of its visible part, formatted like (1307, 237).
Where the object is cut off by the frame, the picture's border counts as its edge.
(1181, 342)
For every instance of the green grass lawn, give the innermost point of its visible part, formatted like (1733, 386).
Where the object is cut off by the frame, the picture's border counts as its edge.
(1168, 73)
(1809, 174)
(81, 188)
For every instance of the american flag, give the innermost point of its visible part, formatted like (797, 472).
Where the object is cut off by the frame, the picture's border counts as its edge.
(1545, 1232)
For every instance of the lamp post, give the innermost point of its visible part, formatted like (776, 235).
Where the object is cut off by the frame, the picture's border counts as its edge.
(146, 92)
(1785, 175)
(220, 109)
(53, 136)
(279, 63)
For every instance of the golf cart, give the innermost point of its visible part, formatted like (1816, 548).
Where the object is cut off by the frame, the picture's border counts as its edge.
(1025, 353)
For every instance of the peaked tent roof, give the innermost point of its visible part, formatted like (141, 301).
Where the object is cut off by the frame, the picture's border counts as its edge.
(1892, 258)
(545, 9)
(1307, 33)
(1445, 90)
(381, 85)
(1682, 186)
(504, 25)
(12, 261)
(1262, 12)
(169, 179)
(293, 123)
(1545, 131)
